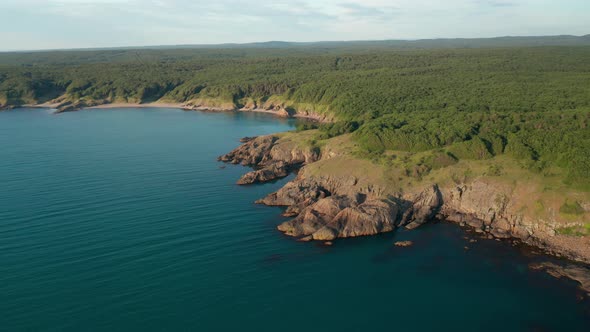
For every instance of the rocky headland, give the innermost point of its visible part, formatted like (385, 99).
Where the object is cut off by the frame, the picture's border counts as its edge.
(336, 195)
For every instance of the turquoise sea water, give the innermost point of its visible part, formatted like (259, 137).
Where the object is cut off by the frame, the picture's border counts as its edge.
(120, 220)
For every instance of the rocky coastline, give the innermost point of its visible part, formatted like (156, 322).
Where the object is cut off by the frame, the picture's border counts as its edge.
(63, 105)
(326, 208)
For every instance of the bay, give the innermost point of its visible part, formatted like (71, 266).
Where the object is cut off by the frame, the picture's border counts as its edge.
(122, 219)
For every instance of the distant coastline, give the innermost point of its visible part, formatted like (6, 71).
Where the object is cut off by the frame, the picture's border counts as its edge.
(137, 105)
(281, 112)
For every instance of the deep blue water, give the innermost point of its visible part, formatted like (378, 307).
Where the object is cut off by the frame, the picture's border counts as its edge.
(120, 220)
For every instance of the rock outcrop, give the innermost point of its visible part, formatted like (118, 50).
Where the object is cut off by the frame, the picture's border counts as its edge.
(255, 152)
(69, 106)
(423, 208)
(484, 207)
(247, 139)
(326, 217)
(272, 157)
(341, 217)
(63, 104)
(269, 173)
(296, 196)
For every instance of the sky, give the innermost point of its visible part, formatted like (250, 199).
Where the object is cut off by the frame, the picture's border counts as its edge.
(56, 24)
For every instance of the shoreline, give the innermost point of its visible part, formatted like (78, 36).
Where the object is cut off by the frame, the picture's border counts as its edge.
(551, 247)
(556, 247)
(58, 107)
(137, 105)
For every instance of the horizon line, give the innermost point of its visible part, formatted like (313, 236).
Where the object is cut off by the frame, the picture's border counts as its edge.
(171, 46)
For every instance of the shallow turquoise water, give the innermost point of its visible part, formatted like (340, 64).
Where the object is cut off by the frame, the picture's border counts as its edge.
(118, 220)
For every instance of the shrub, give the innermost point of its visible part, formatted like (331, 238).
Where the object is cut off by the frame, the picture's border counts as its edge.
(472, 149)
(330, 130)
(571, 207)
(440, 159)
(495, 170)
(305, 125)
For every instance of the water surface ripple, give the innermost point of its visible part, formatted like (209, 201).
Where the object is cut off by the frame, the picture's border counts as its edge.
(119, 220)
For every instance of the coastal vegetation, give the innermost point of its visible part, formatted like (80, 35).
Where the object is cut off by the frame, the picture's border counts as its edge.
(421, 109)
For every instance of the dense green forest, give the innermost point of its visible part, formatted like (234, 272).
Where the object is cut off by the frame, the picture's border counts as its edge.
(531, 103)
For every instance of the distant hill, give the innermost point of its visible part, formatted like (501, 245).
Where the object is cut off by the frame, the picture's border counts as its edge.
(508, 41)
(272, 49)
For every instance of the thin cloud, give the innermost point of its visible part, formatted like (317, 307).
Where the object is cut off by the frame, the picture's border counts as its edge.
(497, 4)
(94, 23)
(358, 10)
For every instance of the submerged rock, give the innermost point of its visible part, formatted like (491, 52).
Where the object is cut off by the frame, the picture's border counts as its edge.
(577, 273)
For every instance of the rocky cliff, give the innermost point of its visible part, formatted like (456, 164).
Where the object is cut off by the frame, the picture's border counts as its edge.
(496, 210)
(325, 207)
(340, 197)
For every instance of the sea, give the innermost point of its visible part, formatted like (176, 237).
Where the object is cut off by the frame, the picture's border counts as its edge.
(124, 220)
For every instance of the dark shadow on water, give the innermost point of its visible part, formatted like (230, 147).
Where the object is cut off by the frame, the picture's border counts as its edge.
(446, 249)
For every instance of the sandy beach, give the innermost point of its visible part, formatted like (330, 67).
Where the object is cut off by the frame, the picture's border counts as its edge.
(133, 105)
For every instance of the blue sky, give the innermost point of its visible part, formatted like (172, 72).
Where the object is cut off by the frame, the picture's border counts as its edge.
(49, 24)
